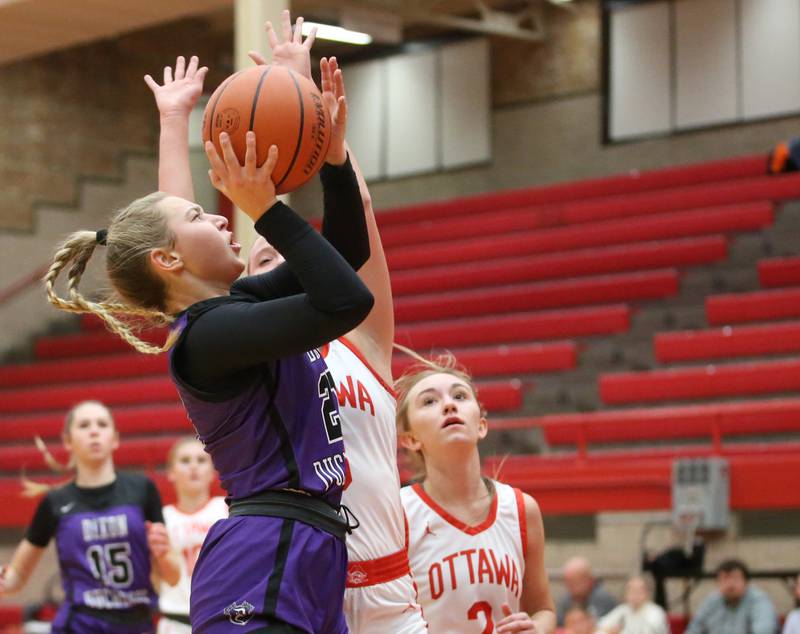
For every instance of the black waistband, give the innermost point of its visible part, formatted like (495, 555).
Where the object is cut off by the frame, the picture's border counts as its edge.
(137, 614)
(295, 506)
(180, 618)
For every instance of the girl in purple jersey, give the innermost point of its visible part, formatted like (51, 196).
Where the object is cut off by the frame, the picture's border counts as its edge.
(109, 535)
(243, 355)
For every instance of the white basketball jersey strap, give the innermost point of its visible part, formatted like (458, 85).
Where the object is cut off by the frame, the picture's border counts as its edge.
(367, 411)
(465, 573)
(186, 533)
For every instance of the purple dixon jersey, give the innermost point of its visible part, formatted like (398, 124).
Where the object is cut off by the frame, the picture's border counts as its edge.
(279, 429)
(101, 542)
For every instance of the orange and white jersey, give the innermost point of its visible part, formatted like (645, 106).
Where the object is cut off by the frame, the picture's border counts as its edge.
(367, 409)
(186, 533)
(464, 574)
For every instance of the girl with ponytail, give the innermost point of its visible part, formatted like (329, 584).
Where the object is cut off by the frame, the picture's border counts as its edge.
(476, 545)
(244, 357)
(109, 534)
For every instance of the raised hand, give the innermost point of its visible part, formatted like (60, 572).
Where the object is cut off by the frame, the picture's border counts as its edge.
(249, 187)
(520, 622)
(294, 52)
(181, 88)
(334, 97)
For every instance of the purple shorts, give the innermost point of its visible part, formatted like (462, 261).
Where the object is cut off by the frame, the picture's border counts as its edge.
(269, 574)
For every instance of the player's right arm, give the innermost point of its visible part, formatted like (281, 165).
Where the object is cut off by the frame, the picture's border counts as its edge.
(175, 100)
(16, 574)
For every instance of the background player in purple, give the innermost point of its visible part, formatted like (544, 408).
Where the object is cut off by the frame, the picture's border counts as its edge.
(243, 356)
(109, 535)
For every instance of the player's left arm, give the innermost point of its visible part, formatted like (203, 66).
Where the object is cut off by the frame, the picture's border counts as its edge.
(374, 337)
(538, 614)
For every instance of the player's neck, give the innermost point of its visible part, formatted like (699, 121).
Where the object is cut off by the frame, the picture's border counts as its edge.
(189, 503)
(95, 475)
(191, 290)
(455, 481)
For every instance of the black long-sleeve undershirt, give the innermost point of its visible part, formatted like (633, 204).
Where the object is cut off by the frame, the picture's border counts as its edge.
(344, 225)
(226, 336)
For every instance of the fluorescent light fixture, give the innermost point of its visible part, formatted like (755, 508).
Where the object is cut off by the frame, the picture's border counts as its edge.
(337, 33)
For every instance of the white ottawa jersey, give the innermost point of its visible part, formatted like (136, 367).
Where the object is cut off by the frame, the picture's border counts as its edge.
(186, 534)
(464, 574)
(367, 409)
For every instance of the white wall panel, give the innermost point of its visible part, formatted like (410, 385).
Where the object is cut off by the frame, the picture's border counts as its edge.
(366, 122)
(705, 42)
(465, 103)
(770, 57)
(640, 70)
(412, 121)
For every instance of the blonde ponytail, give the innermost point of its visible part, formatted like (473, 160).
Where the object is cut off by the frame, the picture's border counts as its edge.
(133, 232)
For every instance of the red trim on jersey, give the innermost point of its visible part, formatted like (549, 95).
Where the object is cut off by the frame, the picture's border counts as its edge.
(352, 347)
(374, 571)
(469, 530)
(523, 522)
(324, 350)
(200, 510)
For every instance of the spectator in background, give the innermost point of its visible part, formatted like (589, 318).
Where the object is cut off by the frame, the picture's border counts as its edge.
(736, 607)
(638, 615)
(583, 590)
(578, 620)
(784, 157)
(792, 625)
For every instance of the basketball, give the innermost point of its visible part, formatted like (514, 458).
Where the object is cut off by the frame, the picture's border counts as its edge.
(283, 109)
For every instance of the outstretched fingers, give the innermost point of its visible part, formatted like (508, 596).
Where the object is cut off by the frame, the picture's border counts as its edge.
(272, 160)
(286, 24)
(250, 168)
(272, 38)
(180, 67)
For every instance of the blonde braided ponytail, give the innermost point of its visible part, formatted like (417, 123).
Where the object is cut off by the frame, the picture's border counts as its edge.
(133, 232)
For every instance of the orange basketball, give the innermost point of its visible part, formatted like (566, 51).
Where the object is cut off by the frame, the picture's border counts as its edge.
(283, 109)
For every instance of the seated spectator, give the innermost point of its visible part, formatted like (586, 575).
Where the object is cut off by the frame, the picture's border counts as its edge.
(736, 607)
(583, 590)
(784, 157)
(578, 620)
(792, 625)
(638, 615)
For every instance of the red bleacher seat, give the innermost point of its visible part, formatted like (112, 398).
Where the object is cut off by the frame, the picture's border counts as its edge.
(779, 272)
(738, 379)
(747, 217)
(553, 324)
(499, 395)
(83, 369)
(497, 360)
(757, 306)
(669, 423)
(630, 183)
(61, 397)
(639, 481)
(86, 344)
(538, 295)
(630, 257)
(730, 341)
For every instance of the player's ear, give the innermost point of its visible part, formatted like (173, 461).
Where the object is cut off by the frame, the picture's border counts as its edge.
(408, 441)
(166, 260)
(483, 428)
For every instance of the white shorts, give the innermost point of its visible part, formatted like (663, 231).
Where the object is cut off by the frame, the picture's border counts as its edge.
(167, 626)
(384, 608)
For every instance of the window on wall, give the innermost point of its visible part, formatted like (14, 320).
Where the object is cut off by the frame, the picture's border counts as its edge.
(421, 111)
(674, 65)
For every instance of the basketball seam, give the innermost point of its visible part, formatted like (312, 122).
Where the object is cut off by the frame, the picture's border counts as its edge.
(255, 98)
(225, 85)
(299, 134)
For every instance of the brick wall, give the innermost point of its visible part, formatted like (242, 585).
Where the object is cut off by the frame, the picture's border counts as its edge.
(73, 113)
